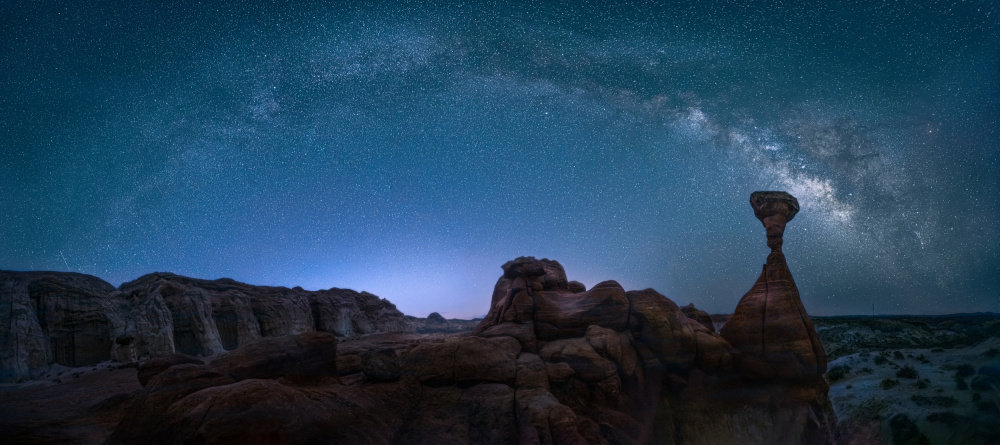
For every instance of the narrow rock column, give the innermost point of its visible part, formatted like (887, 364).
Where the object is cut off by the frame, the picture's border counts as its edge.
(771, 333)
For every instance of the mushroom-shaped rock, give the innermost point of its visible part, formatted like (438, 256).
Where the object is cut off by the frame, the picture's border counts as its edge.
(770, 331)
(774, 210)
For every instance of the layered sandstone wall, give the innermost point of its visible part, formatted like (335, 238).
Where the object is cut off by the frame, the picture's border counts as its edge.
(79, 320)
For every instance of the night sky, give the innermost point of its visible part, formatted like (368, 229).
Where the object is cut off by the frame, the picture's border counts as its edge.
(410, 149)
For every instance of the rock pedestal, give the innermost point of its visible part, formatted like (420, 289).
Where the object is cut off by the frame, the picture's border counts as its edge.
(771, 334)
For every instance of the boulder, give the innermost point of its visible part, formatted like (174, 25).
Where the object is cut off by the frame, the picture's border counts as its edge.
(586, 363)
(154, 366)
(564, 314)
(699, 315)
(307, 357)
(463, 359)
(380, 364)
(536, 292)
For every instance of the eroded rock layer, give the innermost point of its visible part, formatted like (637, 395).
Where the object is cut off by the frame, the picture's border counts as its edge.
(551, 363)
(547, 366)
(772, 336)
(79, 320)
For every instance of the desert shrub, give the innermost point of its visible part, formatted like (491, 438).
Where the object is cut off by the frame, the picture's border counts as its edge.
(991, 353)
(976, 397)
(946, 417)
(865, 370)
(960, 383)
(904, 431)
(880, 360)
(920, 384)
(907, 372)
(837, 372)
(942, 401)
(965, 371)
(888, 383)
(897, 355)
(922, 359)
(849, 387)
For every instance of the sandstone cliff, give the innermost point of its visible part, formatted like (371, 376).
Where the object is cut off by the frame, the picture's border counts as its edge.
(78, 320)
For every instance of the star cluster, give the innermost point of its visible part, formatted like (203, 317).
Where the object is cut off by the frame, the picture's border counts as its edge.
(409, 149)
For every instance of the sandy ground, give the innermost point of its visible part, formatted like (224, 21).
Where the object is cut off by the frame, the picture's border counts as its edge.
(933, 401)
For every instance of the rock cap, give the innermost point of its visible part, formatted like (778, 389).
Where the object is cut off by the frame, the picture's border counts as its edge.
(771, 203)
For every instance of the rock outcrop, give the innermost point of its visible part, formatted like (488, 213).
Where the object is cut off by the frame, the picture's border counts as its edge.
(551, 363)
(772, 336)
(79, 320)
(699, 315)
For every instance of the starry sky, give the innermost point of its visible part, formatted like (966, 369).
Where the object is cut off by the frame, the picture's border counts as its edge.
(411, 148)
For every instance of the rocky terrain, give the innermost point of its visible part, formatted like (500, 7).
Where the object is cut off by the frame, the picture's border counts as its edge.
(552, 362)
(911, 379)
(72, 320)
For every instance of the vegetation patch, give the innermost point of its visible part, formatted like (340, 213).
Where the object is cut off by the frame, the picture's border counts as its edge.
(942, 401)
(907, 372)
(946, 417)
(888, 383)
(905, 431)
(837, 372)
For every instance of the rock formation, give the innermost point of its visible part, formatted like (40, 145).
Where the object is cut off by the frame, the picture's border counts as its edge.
(772, 336)
(699, 315)
(78, 320)
(551, 363)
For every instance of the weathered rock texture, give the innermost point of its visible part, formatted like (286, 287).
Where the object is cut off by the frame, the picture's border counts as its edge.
(78, 320)
(551, 363)
(772, 336)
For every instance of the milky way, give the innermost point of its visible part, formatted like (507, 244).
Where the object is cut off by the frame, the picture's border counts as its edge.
(409, 149)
